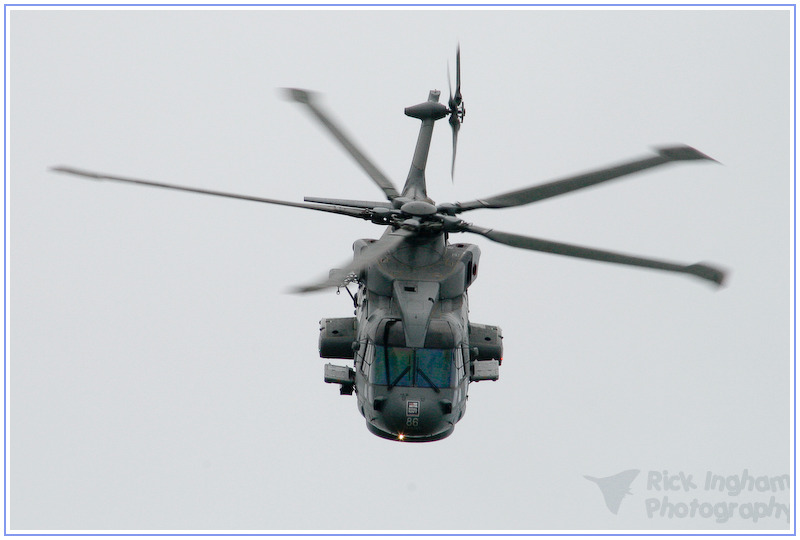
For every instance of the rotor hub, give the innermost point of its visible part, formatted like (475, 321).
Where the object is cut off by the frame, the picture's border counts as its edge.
(418, 209)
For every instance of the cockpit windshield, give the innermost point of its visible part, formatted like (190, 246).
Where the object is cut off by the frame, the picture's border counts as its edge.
(402, 366)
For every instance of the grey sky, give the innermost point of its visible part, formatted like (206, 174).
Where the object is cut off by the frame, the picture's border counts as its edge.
(161, 377)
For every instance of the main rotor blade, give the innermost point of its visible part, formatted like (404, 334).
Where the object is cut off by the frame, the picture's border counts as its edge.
(307, 98)
(703, 271)
(349, 202)
(390, 241)
(334, 209)
(572, 183)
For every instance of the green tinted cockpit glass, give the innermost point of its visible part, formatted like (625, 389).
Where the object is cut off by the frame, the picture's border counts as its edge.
(395, 372)
(434, 368)
(428, 368)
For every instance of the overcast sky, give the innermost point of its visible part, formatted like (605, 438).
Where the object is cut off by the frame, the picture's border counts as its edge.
(161, 377)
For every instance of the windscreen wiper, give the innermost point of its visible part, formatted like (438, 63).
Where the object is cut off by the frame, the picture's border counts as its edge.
(430, 382)
(397, 380)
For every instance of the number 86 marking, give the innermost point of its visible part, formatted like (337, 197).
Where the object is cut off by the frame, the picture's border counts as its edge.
(412, 422)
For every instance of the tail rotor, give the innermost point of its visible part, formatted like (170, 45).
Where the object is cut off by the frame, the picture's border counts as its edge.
(456, 107)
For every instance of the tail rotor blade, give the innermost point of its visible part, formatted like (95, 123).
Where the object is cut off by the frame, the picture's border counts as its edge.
(455, 125)
(451, 102)
(457, 96)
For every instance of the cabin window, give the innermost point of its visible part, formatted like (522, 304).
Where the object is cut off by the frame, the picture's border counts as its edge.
(461, 365)
(367, 356)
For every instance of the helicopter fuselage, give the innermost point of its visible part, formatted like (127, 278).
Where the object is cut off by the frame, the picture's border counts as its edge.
(414, 350)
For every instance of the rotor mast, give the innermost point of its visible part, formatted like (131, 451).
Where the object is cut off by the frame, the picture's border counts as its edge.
(429, 112)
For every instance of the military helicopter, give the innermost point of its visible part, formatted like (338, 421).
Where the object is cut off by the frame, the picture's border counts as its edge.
(413, 348)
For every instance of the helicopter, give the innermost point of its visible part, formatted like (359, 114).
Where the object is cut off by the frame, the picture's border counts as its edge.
(413, 349)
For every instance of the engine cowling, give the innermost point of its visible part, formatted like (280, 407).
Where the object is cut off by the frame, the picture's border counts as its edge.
(486, 342)
(336, 337)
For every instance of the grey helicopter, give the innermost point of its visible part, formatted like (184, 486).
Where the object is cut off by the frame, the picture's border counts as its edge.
(413, 347)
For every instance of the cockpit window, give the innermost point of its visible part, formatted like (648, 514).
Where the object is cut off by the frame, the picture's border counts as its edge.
(397, 370)
(434, 367)
(427, 368)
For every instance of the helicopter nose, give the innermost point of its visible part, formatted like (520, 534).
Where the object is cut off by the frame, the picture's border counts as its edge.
(416, 415)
